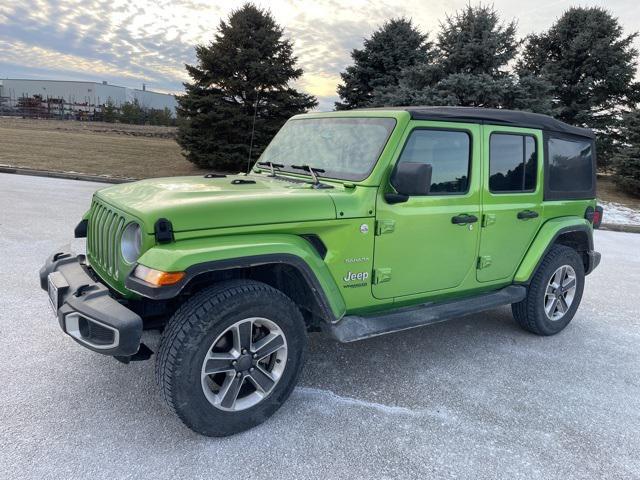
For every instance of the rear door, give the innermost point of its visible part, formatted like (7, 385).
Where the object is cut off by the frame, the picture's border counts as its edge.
(418, 247)
(511, 199)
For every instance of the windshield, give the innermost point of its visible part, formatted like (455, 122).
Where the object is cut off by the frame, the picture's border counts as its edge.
(345, 148)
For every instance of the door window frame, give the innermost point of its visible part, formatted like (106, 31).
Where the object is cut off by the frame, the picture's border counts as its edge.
(537, 156)
(538, 135)
(469, 160)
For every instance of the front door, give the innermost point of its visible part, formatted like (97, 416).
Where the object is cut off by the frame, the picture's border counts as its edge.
(511, 198)
(429, 243)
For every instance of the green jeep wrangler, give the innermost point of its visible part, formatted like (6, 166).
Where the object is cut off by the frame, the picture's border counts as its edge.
(356, 223)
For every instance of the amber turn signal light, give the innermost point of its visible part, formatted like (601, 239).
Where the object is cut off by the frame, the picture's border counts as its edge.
(157, 277)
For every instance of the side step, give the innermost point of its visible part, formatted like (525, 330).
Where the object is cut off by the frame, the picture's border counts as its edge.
(353, 327)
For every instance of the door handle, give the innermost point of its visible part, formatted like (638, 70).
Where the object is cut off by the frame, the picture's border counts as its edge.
(527, 214)
(463, 219)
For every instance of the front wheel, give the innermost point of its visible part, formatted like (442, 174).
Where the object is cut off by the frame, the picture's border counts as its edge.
(554, 293)
(230, 356)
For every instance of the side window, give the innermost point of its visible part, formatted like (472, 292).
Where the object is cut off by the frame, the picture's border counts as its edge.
(448, 152)
(512, 163)
(570, 165)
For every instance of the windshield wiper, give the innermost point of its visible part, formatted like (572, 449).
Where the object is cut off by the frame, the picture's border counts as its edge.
(272, 166)
(312, 170)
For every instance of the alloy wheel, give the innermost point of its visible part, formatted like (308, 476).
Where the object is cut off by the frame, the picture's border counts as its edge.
(560, 292)
(244, 364)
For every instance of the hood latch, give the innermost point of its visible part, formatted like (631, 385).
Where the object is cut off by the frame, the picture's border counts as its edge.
(163, 230)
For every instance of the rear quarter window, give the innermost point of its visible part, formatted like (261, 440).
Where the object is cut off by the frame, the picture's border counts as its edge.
(570, 167)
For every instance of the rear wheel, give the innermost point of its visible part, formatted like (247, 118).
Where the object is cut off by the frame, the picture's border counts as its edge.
(554, 293)
(230, 356)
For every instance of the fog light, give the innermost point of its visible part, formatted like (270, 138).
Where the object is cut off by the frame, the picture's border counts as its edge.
(157, 277)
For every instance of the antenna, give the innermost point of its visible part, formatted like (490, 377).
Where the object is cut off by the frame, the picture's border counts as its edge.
(253, 130)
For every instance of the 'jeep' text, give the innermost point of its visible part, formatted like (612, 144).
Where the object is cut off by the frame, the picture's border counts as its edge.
(352, 277)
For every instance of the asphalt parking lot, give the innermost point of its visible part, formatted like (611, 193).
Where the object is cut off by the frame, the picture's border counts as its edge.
(475, 397)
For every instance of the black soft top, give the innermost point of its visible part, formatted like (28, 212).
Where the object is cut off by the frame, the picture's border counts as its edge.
(495, 116)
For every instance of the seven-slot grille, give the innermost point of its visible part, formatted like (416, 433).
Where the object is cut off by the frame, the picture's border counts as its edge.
(103, 242)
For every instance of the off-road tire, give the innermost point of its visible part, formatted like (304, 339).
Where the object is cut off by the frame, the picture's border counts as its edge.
(530, 312)
(188, 337)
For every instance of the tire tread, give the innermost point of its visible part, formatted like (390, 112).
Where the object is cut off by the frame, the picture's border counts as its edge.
(193, 311)
(525, 312)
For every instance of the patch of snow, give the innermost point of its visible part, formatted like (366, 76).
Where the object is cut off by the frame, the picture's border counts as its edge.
(335, 398)
(330, 400)
(619, 214)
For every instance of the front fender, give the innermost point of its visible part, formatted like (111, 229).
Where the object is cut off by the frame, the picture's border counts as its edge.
(200, 255)
(543, 241)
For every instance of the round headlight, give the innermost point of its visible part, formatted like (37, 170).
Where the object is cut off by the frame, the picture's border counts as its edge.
(131, 243)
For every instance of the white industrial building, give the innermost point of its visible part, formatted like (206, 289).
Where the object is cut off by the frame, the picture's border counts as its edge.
(79, 96)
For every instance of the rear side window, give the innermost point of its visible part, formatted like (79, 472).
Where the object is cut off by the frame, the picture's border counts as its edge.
(448, 152)
(570, 168)
(512, 163)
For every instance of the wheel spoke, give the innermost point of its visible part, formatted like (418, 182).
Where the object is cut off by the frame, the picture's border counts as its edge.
(569, 284)
(218, 362)
(550, 308)
(559, 276)
(562, 304)
(262, 380)
(268, 345)
(230, 394)
(242, 335)
(550, 290)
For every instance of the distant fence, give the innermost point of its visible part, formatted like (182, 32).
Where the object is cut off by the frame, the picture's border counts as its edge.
(37, 106)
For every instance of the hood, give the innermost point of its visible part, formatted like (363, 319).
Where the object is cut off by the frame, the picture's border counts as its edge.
(197, 203)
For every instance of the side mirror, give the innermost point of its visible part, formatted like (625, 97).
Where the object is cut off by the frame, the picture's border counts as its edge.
(412, 178)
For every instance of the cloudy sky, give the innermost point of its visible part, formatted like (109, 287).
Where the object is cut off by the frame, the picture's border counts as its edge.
(143, 41)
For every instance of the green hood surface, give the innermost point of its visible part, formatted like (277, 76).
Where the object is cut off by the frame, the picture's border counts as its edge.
(198, 203)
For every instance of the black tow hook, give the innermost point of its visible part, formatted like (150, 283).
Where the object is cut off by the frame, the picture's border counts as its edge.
(60, 255)
(82, 289)
(143, 353)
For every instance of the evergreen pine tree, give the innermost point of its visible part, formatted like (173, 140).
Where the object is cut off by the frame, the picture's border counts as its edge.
(470, 68)
(627, 161)
(132, 112)
(109, 112)
(591, 65)
(475, 41)
(244, 73)
(390, 49)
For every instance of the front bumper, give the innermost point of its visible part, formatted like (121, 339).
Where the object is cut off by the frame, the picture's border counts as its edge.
(85, 308)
